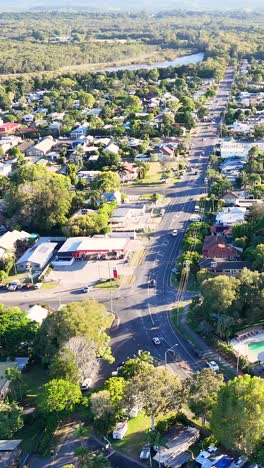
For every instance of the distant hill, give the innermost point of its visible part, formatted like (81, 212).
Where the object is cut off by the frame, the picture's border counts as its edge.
(111, 5)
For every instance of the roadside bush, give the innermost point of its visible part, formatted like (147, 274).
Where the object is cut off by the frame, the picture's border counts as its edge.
(228, 351)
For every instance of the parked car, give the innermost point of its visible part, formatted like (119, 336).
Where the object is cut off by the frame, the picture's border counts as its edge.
(156, 340)
(86, 289)
(145, 453)
(13, 286)
(152, 283)
(174, 232)
(86, 384)
(37, 285)
(213, 365)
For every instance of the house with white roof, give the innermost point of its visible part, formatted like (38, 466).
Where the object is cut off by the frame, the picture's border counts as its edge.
(37, 313)
(239, 149)
(9, 240)
(37, 257)
(231, 216)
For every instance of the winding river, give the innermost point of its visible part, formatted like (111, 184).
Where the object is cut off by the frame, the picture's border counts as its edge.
(184, 60)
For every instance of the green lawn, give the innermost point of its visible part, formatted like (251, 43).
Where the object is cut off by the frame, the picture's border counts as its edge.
(109, 284)
(192, 284)
(33, 380)
(50, 285)
(135, 437)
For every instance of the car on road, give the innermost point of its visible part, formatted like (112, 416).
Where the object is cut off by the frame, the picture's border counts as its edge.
(152, 283)
(37, 285)
(156, 340)
(175, 232)
(212, 365)
(86, 289)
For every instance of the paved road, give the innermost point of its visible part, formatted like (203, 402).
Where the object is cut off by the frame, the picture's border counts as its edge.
(143, 312)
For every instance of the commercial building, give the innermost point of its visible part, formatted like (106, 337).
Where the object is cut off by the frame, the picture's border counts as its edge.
(84, 247)
(37, 257)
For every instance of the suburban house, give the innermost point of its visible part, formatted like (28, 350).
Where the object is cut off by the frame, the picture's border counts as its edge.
(213, 458)
(8, 241)
(239, 149)
(111, 197)
(37, 257)
(163, 152)
(127, 214)
(112, 148)
(230, 216)
(18, 363)
(9, 128)
(120, 430)
(10, 451)
(221, 230)
(88, 175)
(8, 142)
(79, 131)
(176, 452)
(223, 267)
(25, 145)
(37, 313)
(216, 247)
(6, 168)
(42, 148)
(129, 172)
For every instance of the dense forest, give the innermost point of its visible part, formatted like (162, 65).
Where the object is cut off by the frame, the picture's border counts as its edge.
(45, 41)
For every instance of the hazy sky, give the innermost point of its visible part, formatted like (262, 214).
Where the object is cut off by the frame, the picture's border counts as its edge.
(6, 5)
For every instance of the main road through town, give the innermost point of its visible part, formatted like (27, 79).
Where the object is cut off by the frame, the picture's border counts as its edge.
(143, 312)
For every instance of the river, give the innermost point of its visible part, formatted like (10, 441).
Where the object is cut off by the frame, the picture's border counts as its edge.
(184, 60)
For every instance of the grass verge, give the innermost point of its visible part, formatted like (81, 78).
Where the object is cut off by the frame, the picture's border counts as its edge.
(109, 284)
(135, 437)
(49, 285)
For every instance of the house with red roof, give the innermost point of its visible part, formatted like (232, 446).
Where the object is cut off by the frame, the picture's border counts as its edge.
(9, 128)
(128, 172)
(217, 247)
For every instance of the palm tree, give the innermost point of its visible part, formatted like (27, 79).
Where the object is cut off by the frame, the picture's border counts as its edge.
(155, 439)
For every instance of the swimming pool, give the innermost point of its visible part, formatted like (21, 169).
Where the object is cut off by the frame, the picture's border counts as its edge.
(256, 348)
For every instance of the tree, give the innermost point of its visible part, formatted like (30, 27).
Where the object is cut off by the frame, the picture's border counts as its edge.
(136, 365)
(258, 262)
(104, 412)
(38, 199)
(59, 395)
(89, 459)
(4, 185)
(14, 375)
(87, 319)
(86, 99)
(86, 225)
(133, 103)
(108, 182)
(237, 418)
(63, 366)
(11, 419)
(116, 388)
(203, 392)
(219, 294)
(156, 390)
(17, 332)
(259, 131)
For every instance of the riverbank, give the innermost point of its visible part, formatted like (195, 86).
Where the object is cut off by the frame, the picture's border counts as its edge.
(159, 59)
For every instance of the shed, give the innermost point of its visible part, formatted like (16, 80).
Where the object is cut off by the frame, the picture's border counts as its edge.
(9, 452)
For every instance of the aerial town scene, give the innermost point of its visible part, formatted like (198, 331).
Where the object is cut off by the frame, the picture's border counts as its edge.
(131, 234)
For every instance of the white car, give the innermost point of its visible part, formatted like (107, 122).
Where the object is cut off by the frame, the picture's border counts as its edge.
(174, 232)
(156, 340)
(196, 219)
(145, 453)
(213, 365)
(86, 289)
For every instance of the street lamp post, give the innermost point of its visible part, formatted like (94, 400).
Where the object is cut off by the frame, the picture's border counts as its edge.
(167, 350)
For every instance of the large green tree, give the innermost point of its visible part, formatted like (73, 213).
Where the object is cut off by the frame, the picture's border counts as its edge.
(59, 395)
(203, 392)
(238, 417)
(10, 419)
(17, 332)
(156, 390)
(38, 199)
(87, 319)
